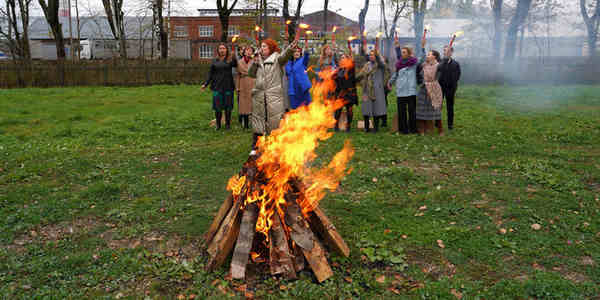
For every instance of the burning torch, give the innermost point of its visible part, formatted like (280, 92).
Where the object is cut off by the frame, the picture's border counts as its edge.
(454, 36)
(304, 27)
(287, 23)
(256, 33)
(333, 34)
(350, 39)
(235, 37)
(379, 34)
(427, 29)
(364, 39)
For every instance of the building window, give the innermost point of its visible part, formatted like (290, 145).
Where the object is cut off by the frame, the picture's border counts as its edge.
(233, 30)
(205, 51)
(180, 31)
(205, 30)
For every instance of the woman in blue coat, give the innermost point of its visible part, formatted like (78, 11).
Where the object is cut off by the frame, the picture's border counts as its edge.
(298, 82)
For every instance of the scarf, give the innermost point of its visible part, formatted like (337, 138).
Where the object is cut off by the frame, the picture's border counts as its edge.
(405, 63)
(246, 59)
(434, 91)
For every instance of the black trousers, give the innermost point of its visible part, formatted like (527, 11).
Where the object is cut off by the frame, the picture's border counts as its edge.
(449, 93)
(407, 114)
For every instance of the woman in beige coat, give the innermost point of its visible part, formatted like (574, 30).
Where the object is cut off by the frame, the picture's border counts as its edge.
(268, 103)
(245, 84)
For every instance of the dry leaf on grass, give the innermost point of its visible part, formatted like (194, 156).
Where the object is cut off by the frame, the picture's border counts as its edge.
(456, 293)
(441, 244)
(536, 226)
(348, 279)
(380, 279)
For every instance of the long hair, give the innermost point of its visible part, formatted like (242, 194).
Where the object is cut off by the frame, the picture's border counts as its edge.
(273, 47)
(226, 51)
(436, 54)
(409, 50)
(323, 56)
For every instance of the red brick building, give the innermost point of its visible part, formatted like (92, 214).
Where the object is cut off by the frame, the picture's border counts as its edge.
(197, 37)
(204, 32)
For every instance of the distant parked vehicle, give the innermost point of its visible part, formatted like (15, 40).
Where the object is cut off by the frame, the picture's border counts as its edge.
(3, 56)
(98, 49)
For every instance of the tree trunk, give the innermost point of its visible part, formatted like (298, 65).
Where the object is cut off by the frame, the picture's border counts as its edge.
(24, 43)
(497, 43)
(50, 10)
(361, 23)
(418, 19)
(591, 24)
(326, 4)
(513, 29)
(224, 18)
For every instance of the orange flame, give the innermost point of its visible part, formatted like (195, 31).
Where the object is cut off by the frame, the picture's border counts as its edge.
(309, 32)
(352, 38)
(254, 256)
(365, 33)
(379, 34)
(235, 184)
(310, 69)
(285, 156)
(304, 26)
(288, 22)
(257, 28)
(334, 29)
(235, 37)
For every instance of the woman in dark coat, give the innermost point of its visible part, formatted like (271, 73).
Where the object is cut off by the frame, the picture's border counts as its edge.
(220, 79)
(346, 89)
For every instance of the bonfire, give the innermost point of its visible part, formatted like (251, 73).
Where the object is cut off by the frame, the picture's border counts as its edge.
(272, 215)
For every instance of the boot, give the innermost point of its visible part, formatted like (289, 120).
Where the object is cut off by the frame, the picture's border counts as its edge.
(421, 127)
(228, 119)
(366, 123)
(349, 124)
(384, 121)
(376, 123)
(218, 116)
(246, 120)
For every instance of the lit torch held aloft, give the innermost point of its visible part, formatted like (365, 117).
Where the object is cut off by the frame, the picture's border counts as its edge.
(333, 34)
(304, 27)
(256, 33)
(364, 38)
(287, 24)
(350, 39)
(233, 40)
(377, 37)
(454, 36)
(427, 29)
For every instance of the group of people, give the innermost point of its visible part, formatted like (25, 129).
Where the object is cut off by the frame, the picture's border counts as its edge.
(270, 81)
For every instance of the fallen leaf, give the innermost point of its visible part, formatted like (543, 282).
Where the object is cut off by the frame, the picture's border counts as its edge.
(249, 295)
(424, 207)
(95, 257)
(214, 282)
(187, 276)
(181, 297)
(283, 287)
(404, 236)
(222, 289)
(192, 296)
(456, 294)
(419, 215)
(394, 290)
(441, 244)
(169, 254)
(502, 231)
(241, 288)
(536, 226)
(387, 231)
(119, 296)
(380, 279)
(348, 279)
(374, 179)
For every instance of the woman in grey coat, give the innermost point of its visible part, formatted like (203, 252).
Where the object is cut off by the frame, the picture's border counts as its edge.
(372, 76)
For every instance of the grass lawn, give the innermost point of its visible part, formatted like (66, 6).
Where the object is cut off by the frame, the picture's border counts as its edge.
(105, 192)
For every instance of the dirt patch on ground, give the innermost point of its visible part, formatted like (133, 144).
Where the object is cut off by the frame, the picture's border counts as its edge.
(168, 244)
(54, 232)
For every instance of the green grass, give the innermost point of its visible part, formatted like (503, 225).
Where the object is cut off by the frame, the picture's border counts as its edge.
(105, 192)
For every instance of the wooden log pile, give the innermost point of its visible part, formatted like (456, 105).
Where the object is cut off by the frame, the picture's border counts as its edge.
(294, 241)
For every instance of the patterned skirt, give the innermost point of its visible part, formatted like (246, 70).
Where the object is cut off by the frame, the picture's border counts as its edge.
(222, 100)
(425, 109)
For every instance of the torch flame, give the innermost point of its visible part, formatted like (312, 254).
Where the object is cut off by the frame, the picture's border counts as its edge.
(352, 38)
(304, 26)
(428, 27)
(235, 37)
(256, 28)
(254, 256)
(379, 34)
(288, 22)
(309, 32)
(235, 184)
(365, 33)
(334, 29)
(459, 33)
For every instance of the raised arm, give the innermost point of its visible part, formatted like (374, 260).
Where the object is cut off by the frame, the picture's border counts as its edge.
(287, 53)
(209, 78)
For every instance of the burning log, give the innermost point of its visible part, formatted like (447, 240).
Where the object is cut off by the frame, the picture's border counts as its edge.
(272, 215)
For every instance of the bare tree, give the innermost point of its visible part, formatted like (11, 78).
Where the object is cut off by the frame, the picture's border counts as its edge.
(397, 7)
(325, 5)
(521, 13)
(419, 8)
(114, 15)
(497, 40)
(17, 37)
(224, 12)
(163, 38)
(50, 9)
(591, 23)
(294, 20)
(361, 22)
